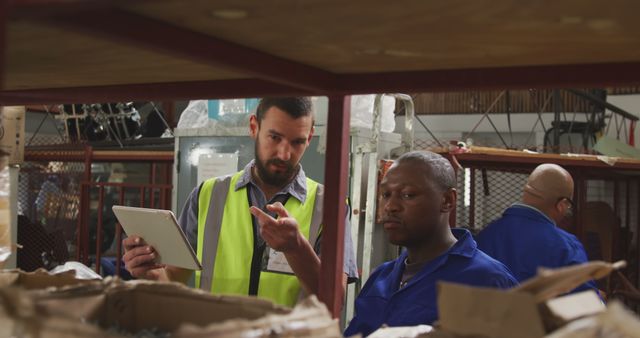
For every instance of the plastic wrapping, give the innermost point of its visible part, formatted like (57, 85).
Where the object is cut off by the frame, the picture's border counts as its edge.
(362, 112)
(81, 271)
(195, 115)
(227, 122)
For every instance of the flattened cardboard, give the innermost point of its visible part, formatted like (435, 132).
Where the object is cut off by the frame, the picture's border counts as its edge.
(38, 279)
(466, 310)
(574, 306)
(521, 311)
(616, 321)
(549, 283)
(114, 307)
(309, 319)
(141, 305)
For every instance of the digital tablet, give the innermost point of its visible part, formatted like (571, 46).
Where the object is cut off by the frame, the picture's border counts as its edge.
(159, 229)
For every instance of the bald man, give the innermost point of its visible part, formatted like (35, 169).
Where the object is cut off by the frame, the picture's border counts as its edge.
(527, 237)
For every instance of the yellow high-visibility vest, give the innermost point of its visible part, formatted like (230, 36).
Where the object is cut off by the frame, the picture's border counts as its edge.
(227, 262)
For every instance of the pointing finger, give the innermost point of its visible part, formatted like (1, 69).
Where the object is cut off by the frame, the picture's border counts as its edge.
(263, 218)
(279, 209)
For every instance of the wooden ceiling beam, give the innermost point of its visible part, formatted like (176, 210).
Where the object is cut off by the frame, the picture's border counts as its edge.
(48, 8)
(563, 76)
(524, 77)
(149, 92)
(139, 31)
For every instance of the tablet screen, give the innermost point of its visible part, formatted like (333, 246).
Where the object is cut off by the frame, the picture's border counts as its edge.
(159, 229)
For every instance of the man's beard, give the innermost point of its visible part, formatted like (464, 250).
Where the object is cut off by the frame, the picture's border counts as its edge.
(276, 179)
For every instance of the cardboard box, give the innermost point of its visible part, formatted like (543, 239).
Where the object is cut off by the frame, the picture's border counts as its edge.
(113, 308)
(39, 279)
(526, 311)
(616, 322)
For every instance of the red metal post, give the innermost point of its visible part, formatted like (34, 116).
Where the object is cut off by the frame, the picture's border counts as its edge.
(580, 182)
(163, 198)
(330, 284)
(152, 199)
(99, 228)
(142, 197)
(152, 173)
(169, 108)
(83, 219)
(82, 205)
(472, 199)
(456, 170)
(168, 173)
(627, 240)
(168, 170)
(637, 267)
(616, 231)
(119, 236)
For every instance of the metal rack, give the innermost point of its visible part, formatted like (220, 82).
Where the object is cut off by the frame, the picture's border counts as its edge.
(365, 167)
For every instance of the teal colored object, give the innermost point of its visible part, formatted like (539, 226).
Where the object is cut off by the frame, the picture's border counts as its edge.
(250, 105)
(213, 107)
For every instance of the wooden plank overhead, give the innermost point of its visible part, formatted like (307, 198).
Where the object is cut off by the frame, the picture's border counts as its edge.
(43, 56)
(373, 36)
(168, 39)
(345, 47)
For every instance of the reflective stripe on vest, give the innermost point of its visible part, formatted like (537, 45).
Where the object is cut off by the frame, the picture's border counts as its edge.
(224, 220)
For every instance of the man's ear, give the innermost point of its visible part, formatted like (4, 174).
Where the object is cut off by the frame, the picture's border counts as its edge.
(253, 126)
(313, 129)
(559, 208)
(449, 199)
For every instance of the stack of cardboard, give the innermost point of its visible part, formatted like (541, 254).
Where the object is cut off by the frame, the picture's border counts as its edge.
(39, 279)
(112, 308)
(527, 311)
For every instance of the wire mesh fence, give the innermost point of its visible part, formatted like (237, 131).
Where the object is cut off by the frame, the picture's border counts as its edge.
(611, 216)
(63, 217)
(606, 219)
(483, 194)
(48, 200)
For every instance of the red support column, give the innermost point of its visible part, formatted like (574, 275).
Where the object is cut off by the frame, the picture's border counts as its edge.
(472, 200)
(581, 183)
(169, 108)
(119, 236)
(336, 173)
(635, 268)
(152, 200)
(99, 226)
(85, 209)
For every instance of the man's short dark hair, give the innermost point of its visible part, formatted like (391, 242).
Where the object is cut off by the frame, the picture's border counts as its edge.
(441, 169)
(295, 107)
